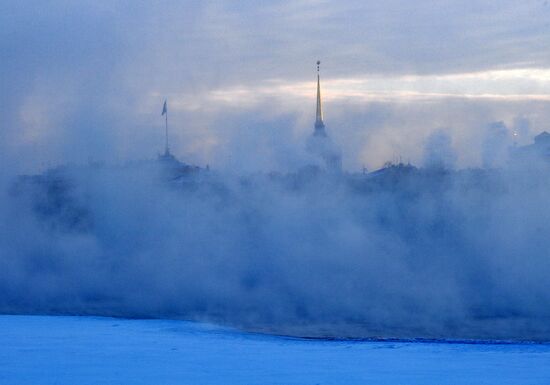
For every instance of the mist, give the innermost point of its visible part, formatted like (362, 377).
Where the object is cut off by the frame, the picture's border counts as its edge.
(260, 236)
(85, 82)
(406, 253)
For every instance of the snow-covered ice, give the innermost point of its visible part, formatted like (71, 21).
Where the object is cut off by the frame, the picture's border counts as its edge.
(91, 350)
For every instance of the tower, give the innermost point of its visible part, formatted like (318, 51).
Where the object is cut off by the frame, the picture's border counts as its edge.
(319, 143)
(319, 125)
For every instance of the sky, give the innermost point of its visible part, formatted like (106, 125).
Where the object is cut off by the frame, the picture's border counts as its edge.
(85, 81)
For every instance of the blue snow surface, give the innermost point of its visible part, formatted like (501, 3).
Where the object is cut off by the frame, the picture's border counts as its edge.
(93, 350)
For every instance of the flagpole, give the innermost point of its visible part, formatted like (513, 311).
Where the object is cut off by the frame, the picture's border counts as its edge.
(166, 129)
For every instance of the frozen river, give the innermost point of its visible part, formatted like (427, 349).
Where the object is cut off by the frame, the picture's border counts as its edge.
(91, 350)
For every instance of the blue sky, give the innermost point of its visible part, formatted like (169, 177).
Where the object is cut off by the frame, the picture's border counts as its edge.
(86, 80)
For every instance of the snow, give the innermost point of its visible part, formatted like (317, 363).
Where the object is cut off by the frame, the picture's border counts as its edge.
(92, 350)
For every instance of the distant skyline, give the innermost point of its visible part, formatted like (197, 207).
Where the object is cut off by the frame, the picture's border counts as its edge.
(86, 81)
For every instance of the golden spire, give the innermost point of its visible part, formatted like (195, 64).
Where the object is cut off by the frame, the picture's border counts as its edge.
(319, 125)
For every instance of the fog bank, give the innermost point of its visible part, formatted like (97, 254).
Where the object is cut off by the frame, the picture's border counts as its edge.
(403, 253)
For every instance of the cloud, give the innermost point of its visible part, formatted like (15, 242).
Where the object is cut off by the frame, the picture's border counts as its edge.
(496, 145)
(438, 151)
(85, 81)
(418, 254)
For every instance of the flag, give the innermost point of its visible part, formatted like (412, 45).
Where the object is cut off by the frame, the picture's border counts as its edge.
(164, 110)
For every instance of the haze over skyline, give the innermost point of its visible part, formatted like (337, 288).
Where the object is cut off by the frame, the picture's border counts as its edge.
(260, 240)
(86, 81)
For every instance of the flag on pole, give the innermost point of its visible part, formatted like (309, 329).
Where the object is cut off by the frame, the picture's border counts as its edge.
(164, 109)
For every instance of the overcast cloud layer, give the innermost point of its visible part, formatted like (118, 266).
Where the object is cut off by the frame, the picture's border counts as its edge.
(85, 81)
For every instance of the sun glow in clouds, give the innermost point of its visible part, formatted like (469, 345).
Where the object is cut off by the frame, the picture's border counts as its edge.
(512, 84)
